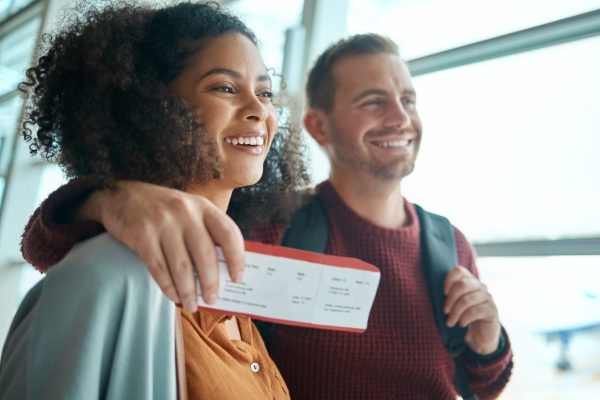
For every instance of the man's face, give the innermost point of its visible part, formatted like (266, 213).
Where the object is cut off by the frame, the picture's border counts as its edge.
(374, 126)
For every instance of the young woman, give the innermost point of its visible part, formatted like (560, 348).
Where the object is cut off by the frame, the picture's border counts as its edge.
(180, 97)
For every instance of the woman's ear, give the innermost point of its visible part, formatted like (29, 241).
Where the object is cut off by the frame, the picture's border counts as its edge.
(315, 122)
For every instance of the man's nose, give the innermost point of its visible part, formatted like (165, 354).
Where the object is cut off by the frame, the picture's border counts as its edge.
(397, 115)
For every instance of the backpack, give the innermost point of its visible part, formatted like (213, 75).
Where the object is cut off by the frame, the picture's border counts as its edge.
(309, 230)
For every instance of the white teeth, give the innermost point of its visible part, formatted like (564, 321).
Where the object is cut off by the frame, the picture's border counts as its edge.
(247, 141)
(395, 143)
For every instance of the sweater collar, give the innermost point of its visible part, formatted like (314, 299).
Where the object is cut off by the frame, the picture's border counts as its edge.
(339, 211)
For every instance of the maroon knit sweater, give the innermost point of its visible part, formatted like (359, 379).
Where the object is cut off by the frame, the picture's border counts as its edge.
(400, 356)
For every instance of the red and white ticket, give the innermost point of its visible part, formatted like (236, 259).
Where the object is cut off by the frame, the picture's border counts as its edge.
(301, 288)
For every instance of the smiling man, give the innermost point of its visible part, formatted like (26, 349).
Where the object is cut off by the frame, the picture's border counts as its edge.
(363, 113)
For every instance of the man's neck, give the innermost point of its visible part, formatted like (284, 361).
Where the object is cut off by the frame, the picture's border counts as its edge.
(374, 199)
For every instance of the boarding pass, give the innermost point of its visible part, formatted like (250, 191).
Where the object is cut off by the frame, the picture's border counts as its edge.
(301, 288)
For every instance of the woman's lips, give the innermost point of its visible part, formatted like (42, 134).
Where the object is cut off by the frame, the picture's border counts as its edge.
(252, 142)
(246, 140)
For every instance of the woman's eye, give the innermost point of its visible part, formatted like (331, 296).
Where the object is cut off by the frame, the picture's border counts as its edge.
(266, 93)
(224, 89)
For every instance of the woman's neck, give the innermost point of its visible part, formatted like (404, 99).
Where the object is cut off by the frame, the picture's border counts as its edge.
(219, 196)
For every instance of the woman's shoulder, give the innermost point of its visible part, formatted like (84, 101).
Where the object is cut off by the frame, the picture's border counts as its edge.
(98, 304)
(101, 265)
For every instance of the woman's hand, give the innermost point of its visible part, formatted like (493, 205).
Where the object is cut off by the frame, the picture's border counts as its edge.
(174, 233)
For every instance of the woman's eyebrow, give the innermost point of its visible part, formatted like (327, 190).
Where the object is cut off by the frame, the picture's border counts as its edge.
(222, 71)
(232, 73)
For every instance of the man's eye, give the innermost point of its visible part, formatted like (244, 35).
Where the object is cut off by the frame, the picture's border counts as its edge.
(409, 101)
(373, 102)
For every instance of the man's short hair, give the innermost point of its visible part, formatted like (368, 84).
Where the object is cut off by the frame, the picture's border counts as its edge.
(320, 86)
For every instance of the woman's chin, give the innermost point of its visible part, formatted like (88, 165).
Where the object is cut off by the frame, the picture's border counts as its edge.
(248, 178)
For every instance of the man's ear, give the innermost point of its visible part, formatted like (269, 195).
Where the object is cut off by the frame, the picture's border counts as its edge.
(315, 123)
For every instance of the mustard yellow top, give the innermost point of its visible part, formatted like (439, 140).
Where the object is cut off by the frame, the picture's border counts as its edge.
(219, 368)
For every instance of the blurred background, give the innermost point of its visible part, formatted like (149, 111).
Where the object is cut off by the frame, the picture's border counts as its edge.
(510, 104)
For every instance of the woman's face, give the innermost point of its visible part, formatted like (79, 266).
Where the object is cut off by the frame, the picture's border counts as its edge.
(229, 84)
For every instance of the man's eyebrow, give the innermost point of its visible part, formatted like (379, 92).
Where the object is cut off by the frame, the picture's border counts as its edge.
(367, 93)
(232, 73)
(380, 92)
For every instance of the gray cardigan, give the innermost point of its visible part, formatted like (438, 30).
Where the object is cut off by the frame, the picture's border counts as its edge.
(96, 327)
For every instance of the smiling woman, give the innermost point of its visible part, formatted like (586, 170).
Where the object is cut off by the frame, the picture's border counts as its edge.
(229, 83)
(180, 97)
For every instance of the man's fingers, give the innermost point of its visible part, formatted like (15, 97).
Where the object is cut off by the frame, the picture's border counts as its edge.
(465, 302)
(181, 269)
(483, 311)
(227, 235)
(153, 258)
(183, 228)
(202, 249)
(459, 288)
(454, 276)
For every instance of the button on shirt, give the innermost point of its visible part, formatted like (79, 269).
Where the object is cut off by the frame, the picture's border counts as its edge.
(220, 368)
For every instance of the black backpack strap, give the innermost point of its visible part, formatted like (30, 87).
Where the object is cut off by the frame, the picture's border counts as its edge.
(309, 227)
(308, 230)
(438, 249)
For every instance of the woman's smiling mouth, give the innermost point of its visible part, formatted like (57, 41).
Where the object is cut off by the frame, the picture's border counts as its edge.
(250, 142)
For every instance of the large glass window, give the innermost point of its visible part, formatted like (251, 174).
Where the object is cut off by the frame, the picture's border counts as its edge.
(52, 178)
(423, 27)
(551, 308)
(16, 49)
(9, 7)
(9, 112)
(510, 145)
(269, 22)
(19, 26)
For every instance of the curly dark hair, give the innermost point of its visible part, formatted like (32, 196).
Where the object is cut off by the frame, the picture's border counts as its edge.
(99, 104)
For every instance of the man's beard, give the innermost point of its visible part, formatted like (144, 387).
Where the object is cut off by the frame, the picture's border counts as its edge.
(388, 172)
(348, 155)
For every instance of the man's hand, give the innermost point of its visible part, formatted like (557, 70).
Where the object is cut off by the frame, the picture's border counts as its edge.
(172, 232)
(469, 303)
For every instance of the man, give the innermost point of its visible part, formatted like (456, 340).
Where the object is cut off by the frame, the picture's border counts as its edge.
(362, 111)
